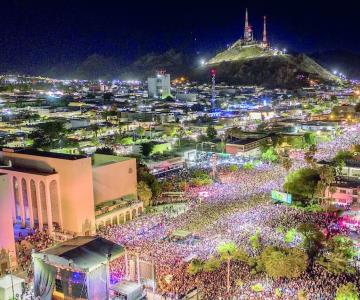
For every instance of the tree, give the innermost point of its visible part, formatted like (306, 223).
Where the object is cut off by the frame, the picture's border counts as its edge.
(147, 148)
(270, 155)
(302, 183)
(313, 238)
(228, 252)
(255, 240)
(342, 156)
(310, 155)
(290, 235)
(338, 256)
(144, 193)
(126, 140)
(286, 163)
(284, 263)
(95, 128)
(310, 138)
(105, 150)
(211, 132)
(347, 291)
(140, 131)
(327, 177)
(49, 135)
(233, 168)
(212, 264)
(196, 266)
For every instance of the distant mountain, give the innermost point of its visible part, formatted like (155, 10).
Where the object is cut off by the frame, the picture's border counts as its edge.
(256, 65)
(171, 61)
(341, 60)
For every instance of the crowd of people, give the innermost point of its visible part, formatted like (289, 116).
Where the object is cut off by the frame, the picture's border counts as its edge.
(35, 240)
(234, 208)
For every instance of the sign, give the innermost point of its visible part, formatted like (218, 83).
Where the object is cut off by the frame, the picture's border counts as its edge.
(280, 196)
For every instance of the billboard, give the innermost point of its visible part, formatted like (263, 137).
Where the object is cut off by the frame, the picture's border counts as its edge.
(281, 196)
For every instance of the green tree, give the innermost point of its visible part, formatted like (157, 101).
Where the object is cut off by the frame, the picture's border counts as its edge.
(310, 138)
(255, 240)
(270, 155)
(338, 256)
(105, 150)
(49, 135)
(229, 252)
(234, 168)
(302, 183)
(347, 291)
(290, 235)
(126, 140)
(144, 193)
(211, 132)
(286, 163)
(327, 177)
(212, 264)
(195, 267)
(284, 263)
(313, 238)
(147, 148)
(140, 131)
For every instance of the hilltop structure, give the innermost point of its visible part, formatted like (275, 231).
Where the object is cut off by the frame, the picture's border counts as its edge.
(249, 34)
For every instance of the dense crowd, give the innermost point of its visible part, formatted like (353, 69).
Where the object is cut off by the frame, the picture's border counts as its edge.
(233, 208)
(37, 240)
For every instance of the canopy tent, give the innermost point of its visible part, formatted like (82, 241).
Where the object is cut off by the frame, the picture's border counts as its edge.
(82, 261)
(7, 283)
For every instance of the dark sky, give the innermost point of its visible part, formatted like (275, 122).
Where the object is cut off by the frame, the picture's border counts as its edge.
(43, 33)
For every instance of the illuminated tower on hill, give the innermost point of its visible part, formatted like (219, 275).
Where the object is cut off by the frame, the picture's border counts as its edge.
(213, 88)
(248, 33)
(265, 38)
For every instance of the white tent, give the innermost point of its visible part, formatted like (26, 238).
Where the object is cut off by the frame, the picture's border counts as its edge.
(6, 283)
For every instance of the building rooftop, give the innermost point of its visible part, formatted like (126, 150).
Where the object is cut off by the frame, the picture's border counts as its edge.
(104, 159)
(247, 140)
(43, 153)
(85, 251)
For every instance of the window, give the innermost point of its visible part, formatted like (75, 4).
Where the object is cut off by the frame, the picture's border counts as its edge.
(342, 191)
(130, 170)
(58, 286)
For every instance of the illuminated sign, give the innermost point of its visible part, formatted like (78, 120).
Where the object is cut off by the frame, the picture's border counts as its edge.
(280, 196)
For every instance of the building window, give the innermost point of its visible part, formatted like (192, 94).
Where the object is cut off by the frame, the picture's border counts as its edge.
(58, 285)
(342, 191)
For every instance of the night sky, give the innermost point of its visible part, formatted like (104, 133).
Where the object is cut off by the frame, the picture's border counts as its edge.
(44, 33)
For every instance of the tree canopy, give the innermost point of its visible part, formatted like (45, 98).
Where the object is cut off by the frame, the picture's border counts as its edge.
(302, 183)
(284, 263)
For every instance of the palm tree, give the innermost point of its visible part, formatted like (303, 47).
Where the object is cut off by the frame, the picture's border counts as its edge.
(228, 252)
(287, 164)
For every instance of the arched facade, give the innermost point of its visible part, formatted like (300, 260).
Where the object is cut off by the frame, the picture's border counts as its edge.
(36, 200)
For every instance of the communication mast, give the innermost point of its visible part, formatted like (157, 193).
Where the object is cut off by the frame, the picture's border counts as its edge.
(213, 89)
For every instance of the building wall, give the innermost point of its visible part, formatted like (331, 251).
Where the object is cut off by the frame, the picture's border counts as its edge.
(76, 187)
(7, 241)
(114, 180)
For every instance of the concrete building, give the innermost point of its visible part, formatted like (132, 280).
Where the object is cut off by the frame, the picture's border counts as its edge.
(61, 191)
(159, 86)
(247, 147)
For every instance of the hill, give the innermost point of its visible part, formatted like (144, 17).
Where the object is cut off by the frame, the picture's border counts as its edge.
(173, 62)
(256, 65)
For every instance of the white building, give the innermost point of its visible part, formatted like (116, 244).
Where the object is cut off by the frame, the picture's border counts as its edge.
(159, 86)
